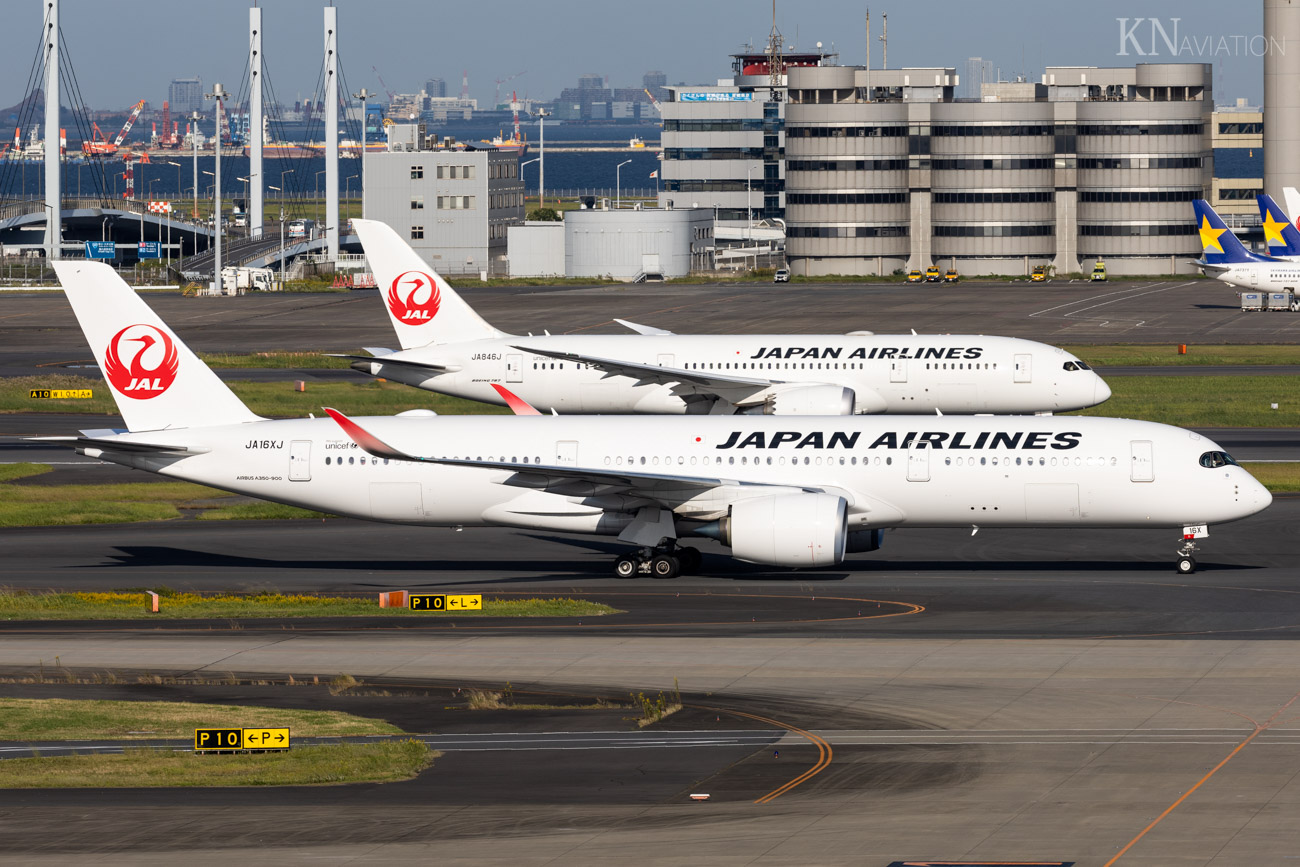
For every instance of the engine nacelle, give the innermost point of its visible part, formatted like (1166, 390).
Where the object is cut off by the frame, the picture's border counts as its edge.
(797, 530)
(812, 400)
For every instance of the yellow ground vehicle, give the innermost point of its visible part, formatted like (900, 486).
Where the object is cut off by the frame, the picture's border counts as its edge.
(950, 276)
(1099, 272)
(1039, 274)
(932, 275)
(914, 276)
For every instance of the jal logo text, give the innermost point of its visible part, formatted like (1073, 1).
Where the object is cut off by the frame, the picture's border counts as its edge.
(141, 362)
(413, 298)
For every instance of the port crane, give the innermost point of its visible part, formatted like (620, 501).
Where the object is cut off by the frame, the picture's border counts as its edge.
(501, 81)
(103, 146)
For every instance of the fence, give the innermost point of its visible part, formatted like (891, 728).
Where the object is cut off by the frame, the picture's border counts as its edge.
(600, 193)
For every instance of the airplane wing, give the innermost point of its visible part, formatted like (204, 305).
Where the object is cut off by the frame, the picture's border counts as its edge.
(118, 445)
(648, 330)
(363, 362)
(1209, 266)
(735, 389)
(664, 489)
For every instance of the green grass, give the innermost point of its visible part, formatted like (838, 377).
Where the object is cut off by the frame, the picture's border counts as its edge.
(259, 511)
(12, 472)
(57, 719)
(147, 768)
(277, 360)
(1138, 355)
(1203, 401)
(1278, 478)
(131, 605)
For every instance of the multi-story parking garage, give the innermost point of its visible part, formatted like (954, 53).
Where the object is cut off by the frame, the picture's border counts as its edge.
(879, 170)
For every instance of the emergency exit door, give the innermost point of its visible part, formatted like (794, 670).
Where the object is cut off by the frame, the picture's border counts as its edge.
(898, 370)
(514, 368)
(1142, 466)
(566, 453)
(300, 461)
(918, 462)
(1024, 368)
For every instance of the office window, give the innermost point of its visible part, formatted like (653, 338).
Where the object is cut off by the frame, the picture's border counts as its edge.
(417, 203)
(417, 233)
(442, 172)
(417, 173)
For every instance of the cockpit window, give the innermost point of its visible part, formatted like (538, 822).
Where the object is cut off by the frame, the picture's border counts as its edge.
(1076, 365)
(1083, 366)
(1217, 459)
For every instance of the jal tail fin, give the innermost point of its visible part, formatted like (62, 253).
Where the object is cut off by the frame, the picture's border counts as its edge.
(156, 381)
(1279, 233)
(1219, 246)
(424, 308)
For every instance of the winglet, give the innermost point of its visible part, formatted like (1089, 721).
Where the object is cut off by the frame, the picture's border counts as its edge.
(648, 330)
(517, 404)
(365, 439)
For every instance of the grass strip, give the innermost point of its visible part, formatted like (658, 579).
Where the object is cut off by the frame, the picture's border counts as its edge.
(277, 360)
(58, 719)
(130, 605)
(335, 764)
(59, 505)
(1203, 401)
(1166, 355)
(1280, 478)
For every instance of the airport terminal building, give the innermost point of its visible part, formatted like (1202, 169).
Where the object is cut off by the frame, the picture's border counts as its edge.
(878, 170)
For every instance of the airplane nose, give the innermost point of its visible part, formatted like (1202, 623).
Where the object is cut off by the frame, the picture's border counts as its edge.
(1101, 393)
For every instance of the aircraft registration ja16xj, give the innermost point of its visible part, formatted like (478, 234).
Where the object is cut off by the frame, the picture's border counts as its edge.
(450, 349)
(777, 491)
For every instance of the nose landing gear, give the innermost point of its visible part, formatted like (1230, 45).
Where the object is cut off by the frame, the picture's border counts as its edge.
(664, 561)
(1186, 563)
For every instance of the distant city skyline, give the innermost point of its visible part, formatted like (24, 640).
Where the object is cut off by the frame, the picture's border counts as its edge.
(120, 58)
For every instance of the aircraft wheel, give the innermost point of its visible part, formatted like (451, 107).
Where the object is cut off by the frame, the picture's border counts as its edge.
(625, 567)
(1186, 565)
(665, 566)
(690, 559)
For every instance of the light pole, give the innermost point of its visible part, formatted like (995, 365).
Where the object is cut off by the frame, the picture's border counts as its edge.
(523, 166)
(316, 195)
(618, 184)
(194, 139)
(179, 192)
(347, 195)
(246, 213)
(279, 190)
(206, 194)
(218, 95)
(541, 155)
(749, 203)
(363, 96)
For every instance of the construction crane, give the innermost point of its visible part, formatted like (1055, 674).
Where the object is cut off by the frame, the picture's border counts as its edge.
(501, 81)
(103, 146)
(382, 83)
(653, 101)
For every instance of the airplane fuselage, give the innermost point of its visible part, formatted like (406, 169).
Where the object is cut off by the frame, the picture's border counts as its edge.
(888, 373)
(923, 471)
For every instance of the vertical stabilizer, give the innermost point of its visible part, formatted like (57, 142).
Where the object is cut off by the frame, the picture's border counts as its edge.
(1219, 246)
(423, 307)
(156, 381)
(1279, 233)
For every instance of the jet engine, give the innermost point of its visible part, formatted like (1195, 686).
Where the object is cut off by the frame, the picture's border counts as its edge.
(787, 530)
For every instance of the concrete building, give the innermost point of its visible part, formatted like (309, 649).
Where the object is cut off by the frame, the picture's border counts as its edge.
(884, 170)
(436, 88)
(630, 244)
(454, 207)
(536, 249)
(185, 95)
(975, 73)
(1239, 128)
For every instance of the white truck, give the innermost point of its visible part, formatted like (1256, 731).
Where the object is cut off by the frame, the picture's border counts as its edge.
(237, 281)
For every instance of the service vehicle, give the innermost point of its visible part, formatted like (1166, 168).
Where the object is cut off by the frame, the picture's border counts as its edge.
(1099, 272)
(915, 276)
(782, 275)
(950, 276)
(1039, 274)
(932, 275)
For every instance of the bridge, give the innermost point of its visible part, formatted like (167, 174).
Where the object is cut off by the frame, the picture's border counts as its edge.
(22, 224)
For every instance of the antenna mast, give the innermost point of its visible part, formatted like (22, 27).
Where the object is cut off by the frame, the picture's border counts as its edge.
(884, 41)
(775, 58)
(868, 54)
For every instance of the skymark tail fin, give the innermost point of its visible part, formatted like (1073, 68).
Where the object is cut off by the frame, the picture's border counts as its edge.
(156, 381)
(423, 307)
(1219, 245)
(1279, 233)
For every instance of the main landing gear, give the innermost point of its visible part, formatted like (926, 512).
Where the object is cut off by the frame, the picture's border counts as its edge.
(665, 561)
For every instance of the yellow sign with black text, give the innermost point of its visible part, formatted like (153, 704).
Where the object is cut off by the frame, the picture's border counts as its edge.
(438, 602)
(241, 739)
(62, 394)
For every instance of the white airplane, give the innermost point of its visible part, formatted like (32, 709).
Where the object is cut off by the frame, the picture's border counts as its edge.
(450, 349)
(779, 492)
(1225, 258)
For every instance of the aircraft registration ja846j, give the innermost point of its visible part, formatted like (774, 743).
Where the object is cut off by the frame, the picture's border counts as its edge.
(450, 349)
(777, 491)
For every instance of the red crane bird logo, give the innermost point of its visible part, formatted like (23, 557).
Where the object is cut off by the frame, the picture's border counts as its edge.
(403, 297)
(133, 379)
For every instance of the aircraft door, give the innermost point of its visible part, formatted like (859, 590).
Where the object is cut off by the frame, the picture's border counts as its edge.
(1254, 278)
(1141, 462)
(1024, 368)
(300, 461)
(514, 368)
(918, 462)
(665, 360)
(566, 453)
(898, 370)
